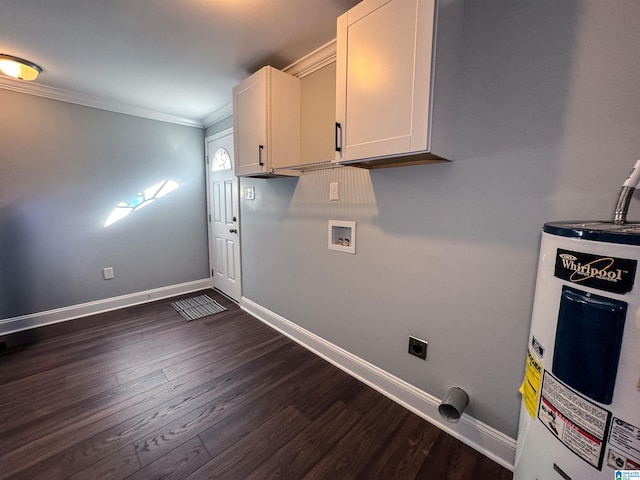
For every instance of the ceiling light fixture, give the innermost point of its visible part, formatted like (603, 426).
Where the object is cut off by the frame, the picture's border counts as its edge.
(18, 68)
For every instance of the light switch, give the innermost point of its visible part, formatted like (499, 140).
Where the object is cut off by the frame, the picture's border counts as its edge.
(333, 191)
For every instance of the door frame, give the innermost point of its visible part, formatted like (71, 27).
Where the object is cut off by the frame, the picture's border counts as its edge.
(210, 239)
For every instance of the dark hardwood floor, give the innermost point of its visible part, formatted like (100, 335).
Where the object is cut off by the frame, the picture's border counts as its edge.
(141, 393)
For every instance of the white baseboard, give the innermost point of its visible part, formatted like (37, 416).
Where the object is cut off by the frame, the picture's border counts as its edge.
(478, 435)
(25, 322)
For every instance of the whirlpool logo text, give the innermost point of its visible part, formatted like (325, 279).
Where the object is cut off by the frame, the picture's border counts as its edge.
(600, 268)
(607, 273)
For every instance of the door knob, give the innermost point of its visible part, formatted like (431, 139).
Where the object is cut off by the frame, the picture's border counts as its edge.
(233, 230)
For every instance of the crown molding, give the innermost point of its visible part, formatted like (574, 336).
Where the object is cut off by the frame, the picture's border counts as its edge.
(313, 61)
(218, 115)
(61, 95)
(306, 65)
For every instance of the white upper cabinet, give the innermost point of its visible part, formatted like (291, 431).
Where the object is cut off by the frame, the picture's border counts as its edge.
(318, 115)
(266, 121)
(395, 105)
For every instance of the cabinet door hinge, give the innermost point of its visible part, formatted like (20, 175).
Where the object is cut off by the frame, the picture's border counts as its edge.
(212, 272)
(209, 218)
(207, 159)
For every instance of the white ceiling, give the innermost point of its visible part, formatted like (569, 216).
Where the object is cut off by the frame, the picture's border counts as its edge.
(175, 57)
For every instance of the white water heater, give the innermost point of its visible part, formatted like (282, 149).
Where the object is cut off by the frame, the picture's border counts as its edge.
(580, 417)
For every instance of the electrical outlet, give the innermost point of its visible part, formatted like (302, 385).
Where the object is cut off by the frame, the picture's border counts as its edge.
(418, 347)
(107, 273)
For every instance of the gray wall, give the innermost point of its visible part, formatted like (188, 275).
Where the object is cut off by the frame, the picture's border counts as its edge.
(549, 122)
(63, 168)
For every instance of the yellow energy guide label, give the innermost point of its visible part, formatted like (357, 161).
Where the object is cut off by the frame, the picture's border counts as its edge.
(530, 388)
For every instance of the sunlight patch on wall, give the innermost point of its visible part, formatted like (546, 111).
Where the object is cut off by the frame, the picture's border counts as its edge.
(143, 199)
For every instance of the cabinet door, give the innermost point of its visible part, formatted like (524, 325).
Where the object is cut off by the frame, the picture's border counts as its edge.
(318, 115)
(249, 121)
(384, 78)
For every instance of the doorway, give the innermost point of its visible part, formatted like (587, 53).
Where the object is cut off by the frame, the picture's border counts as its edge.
(223, 215)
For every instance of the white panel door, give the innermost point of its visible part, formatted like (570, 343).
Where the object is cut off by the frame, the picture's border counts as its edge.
(224, 215)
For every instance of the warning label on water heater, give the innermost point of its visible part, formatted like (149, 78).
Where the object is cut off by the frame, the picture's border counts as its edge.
(578, 423)
(625, 437)
(610, 274)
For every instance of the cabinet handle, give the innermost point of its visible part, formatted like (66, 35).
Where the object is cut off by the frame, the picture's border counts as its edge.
(260, 148)
(338, 137)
